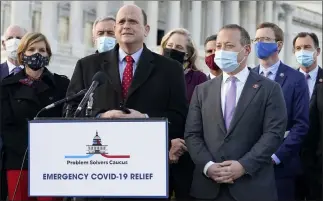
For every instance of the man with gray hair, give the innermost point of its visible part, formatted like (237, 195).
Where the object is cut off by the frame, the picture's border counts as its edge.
(103, 33)
(10, 43)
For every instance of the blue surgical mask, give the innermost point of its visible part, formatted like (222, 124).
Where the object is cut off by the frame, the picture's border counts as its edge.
(265, 50)
(227, 61)
(305, 57)
(105, 43)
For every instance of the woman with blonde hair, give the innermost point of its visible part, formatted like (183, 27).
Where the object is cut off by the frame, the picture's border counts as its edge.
(177, 44)
(23, 95)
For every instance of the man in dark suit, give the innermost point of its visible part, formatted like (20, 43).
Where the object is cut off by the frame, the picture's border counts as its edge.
(312, 148)
(209, 48)
(149, 84)
(309, 184)
(234, 124)
(103, 33)
(10, 44)
(268, 43)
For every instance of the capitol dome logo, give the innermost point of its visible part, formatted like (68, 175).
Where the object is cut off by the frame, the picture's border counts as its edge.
(97, 148)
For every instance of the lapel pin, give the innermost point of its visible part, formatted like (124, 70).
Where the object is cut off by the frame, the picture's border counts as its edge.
(320, 80)
(281, 75)
(255, 86)
(50, 98)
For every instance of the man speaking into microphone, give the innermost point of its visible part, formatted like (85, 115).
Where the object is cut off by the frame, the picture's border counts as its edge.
(149, 84)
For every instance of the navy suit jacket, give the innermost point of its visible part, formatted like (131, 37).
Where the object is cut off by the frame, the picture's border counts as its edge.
(4, 70)
(296, 92)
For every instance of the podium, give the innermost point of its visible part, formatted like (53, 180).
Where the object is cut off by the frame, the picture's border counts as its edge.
(112, 158)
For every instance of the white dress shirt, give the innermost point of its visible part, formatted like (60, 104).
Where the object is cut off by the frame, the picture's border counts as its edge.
(242, 77)
(212, 76)
(11, 66)
(312, 80)
(272, 69)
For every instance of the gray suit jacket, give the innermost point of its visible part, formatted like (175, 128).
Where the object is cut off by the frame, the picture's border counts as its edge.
(256, 131)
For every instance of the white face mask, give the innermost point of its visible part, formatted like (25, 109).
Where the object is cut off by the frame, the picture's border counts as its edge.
(105, 43)
(11, 47)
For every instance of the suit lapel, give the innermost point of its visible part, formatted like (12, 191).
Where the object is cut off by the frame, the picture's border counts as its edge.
(281, 75)
(143, 70)
(4, 70)
(111, 67)
(256, 69)
(249, 91)
(319, 77)
(215, 102)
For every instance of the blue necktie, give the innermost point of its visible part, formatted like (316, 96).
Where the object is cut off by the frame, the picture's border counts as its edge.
(16, 70)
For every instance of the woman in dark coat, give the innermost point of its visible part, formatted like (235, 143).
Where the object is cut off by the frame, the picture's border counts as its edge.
(178, 45)
(23, 95)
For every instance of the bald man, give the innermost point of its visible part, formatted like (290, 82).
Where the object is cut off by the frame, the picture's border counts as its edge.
(10, 43)
(149, 84)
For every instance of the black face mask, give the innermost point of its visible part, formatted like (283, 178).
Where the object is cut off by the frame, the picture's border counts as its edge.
(35, 61)
(174, 54)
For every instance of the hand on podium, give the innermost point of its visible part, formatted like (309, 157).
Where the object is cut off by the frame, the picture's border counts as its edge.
(121, 114)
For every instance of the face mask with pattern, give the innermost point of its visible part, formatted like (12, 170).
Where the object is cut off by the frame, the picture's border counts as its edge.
(35, 61)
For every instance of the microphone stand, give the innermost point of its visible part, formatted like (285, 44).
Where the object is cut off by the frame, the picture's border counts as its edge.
(88, 112)
(68, 110)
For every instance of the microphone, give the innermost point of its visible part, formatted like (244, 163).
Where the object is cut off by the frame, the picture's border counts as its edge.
(67, 99)
(88, 111)
(98, 79)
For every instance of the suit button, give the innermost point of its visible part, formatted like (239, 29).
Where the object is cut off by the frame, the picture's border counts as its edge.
(222, 158)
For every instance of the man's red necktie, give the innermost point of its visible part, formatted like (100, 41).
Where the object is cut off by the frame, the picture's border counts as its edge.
(127, 76)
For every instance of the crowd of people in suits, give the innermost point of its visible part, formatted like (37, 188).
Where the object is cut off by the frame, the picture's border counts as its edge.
(237, 134)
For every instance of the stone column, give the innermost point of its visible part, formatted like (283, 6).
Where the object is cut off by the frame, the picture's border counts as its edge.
(185, 13)
(251, 28)
(21, 14)
(260, 12)
(174, 10)
(196, 22)
(152, 13)
(234, 12)
(49, 22)
(269, 10)
(76, 28)
(288, 46)
(214, 17)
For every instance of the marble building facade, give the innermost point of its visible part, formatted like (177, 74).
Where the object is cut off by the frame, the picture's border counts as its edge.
(68, 24)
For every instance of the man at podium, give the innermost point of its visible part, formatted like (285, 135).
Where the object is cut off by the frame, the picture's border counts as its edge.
(147, 83)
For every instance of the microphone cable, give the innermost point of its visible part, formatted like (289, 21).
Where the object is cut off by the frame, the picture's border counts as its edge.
(18, 181)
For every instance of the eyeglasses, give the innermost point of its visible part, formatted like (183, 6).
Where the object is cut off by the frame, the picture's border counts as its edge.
(263, 39)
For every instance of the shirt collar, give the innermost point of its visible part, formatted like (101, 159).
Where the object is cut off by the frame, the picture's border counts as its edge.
(313, 73)
(273, 69)
(212, 76)
(242, 76)
(135, 55)
(11, 66)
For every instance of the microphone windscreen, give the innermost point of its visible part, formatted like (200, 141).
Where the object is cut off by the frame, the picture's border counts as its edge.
(100, 77)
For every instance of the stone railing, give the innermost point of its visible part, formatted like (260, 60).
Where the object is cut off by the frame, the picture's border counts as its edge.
(64, 49)
(308, 17)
